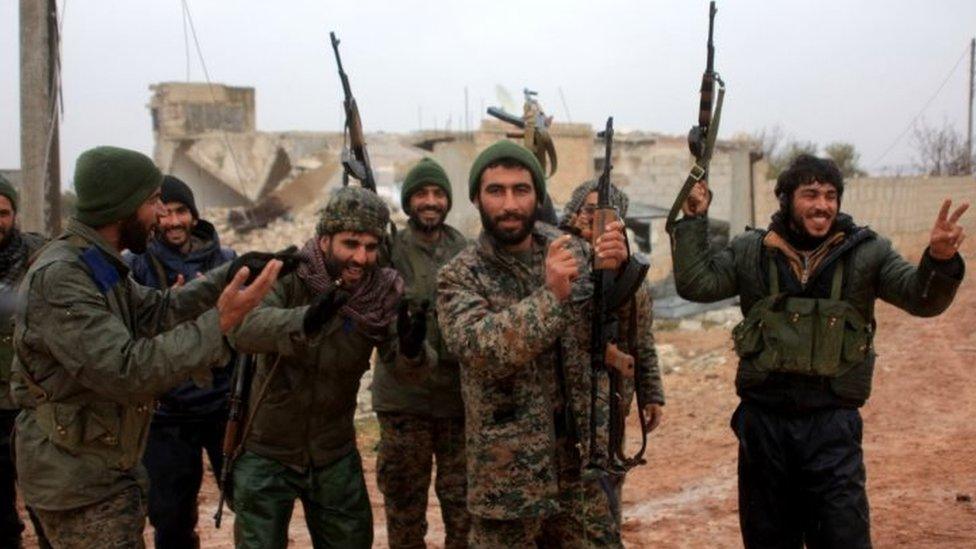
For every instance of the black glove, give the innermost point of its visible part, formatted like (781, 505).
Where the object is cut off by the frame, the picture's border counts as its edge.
(256, 261)
(322, 309)
(412, 329)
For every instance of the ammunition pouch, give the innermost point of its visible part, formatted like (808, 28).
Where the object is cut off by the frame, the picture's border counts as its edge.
(112, 432)
(807, 336)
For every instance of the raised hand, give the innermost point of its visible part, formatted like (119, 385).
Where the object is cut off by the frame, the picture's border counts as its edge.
(323, 308)
(947, 234)
(612, 245)
(698, 200)
(412, 328)
(236, 300)
(561, 268)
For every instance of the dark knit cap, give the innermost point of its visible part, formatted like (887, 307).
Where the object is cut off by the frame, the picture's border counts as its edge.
(354, 209)
(7, 189)
(112, 183)
(507, 150)
(175, 190)
(426, 172)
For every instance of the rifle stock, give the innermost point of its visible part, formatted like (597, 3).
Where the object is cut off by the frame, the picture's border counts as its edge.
(240, 387)
(355, 157)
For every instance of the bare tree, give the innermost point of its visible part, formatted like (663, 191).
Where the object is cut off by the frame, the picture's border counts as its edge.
(780, 149)
(939, 150)
(846, 157)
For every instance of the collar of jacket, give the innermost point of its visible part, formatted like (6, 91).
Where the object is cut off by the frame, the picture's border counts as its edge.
(542, 234)
(450, 235)
(92, 238)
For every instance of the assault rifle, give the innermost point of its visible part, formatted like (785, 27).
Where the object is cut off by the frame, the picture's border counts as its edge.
(604, 353)
(240, 389)
(535, 129)
(701, 138)
(355, 158)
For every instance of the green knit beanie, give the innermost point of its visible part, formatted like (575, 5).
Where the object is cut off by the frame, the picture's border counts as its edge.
(426, 172)
(111, 184)
(507, 150)
(7, 189)
(354, 209)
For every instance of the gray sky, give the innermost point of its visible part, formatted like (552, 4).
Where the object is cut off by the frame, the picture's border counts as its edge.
(823, 70)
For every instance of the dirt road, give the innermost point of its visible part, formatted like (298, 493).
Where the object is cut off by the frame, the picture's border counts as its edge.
(919, 437)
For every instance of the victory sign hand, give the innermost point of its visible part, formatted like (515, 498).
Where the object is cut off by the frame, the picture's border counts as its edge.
(947, 234)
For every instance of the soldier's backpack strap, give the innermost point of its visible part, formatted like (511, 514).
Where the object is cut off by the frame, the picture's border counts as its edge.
(773, 276)
(837, 283)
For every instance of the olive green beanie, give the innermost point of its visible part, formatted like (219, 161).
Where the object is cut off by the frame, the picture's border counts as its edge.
(426, 172)
(354, 209)
(111, 184)
(7, 189)
(507, 150)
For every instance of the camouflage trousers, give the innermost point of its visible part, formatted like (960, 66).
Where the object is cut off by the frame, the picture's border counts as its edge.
(409, 445)
(116, 522)
(584, 522)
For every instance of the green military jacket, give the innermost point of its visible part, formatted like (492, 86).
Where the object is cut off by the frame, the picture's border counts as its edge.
(440, 396)
(505, 326)
(8, 295)
(303, 394)
(93, 349)
(872, 270)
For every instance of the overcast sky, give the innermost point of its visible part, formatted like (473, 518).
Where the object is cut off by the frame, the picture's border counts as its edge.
(824, 70)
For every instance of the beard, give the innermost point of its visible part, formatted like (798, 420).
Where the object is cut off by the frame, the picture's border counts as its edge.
(164, 237)
(508, 237)
(6, 233)
(135, 235)
(422, 225)
(336, 266)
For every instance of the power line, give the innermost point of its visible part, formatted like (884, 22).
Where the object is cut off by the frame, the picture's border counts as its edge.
(206, 75)
(911, 124)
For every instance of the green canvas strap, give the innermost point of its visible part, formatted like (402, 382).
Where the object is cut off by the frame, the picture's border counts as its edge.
(837, 284)
(773, 277)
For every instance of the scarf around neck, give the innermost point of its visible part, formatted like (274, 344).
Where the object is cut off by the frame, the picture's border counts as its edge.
(372, 303)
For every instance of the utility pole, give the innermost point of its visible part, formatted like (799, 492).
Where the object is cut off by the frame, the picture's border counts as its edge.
(969, 120)
(40, 204)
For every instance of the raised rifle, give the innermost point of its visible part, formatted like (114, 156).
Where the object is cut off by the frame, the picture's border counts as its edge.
(355, 157)
(534, 126)
(701, 138)
(240, 389)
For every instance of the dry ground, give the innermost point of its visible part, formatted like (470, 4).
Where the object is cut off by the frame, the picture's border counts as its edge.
(919, 438)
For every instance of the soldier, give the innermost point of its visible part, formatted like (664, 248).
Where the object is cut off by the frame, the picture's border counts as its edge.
(93, 348)
(513, 307)
(635, 320)
(808, 285)
(189, 420)
(16, 249)
(316, 332)
(420, 424)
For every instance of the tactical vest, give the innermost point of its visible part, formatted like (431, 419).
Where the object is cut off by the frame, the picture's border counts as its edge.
(828, 338)
(86, 423)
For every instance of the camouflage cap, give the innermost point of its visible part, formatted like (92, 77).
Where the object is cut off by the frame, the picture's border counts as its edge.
(354, 209)
(618, 199)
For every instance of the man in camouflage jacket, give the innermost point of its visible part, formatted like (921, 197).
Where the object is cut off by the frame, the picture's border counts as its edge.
(421, 424)
(315, 333)
(635, 322)
(94, 348)
(514, 308)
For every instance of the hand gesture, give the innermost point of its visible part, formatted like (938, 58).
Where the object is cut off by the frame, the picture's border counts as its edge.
(947, 234)
(561, 268)
(698, 200)
(323, 308)
(611, 246)
(255, 261)
(412, 328)
(234, 302)
(653, 413)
